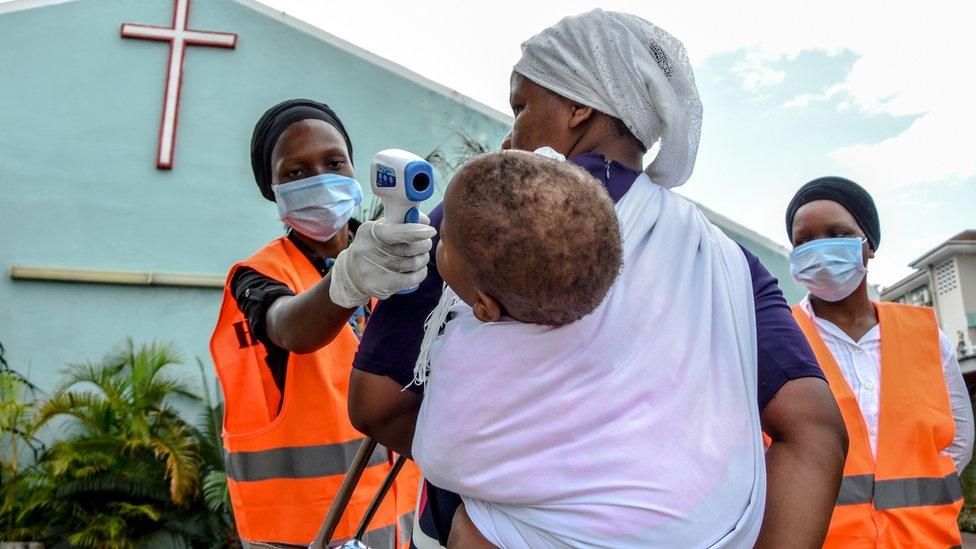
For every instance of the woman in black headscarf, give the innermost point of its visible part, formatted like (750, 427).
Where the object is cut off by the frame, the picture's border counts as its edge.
(283, 346)
(893, 373)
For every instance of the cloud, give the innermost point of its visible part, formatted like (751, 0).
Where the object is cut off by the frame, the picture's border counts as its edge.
(904, 67)
(755, 73)
(800, 101)
(804, 100)
(941, 143)
(934, 148)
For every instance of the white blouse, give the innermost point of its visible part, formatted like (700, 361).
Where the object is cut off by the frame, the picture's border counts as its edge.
(860, 363)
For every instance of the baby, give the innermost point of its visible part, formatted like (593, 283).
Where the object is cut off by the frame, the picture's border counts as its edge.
(539, 408)
(528, 238)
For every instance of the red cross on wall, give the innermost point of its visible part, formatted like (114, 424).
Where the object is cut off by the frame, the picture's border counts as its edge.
(179, 37)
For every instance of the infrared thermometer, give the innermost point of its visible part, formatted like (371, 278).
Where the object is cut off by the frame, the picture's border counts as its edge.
(402, 180)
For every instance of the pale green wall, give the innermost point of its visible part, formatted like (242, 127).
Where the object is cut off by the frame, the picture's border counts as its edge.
(79, 113)
(775, 262)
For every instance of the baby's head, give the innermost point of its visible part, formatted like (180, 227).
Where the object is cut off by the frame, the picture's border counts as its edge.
(528, 237)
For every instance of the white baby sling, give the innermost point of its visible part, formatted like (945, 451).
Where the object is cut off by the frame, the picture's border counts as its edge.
(634, 427)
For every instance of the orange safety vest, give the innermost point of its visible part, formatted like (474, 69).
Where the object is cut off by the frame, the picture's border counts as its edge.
(910, 496)
(283, 469)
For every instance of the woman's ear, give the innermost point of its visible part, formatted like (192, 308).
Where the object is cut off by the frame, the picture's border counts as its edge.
(579, 114)
(487, 308)
(868, 252)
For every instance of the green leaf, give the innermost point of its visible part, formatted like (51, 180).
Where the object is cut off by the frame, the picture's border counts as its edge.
(215, 492)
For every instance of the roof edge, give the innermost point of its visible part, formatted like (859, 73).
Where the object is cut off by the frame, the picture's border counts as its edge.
(724, 222)
(373, 58)
(905, 281)
(312, 30)
(947, 246)
(22, 5)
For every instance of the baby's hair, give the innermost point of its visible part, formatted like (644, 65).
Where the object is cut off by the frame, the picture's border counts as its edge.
(541, 235)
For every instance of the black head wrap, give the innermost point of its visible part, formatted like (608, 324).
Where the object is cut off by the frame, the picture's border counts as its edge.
(273, 124)
(848, 194)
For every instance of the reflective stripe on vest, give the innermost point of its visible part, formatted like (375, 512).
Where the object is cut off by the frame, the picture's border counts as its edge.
(856, 489)
(406, 527)
(907, 494)
(374, 539)
(902, 492)
(298, 461)
(381, 537)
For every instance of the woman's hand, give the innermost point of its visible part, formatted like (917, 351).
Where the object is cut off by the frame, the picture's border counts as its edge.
(383, 259)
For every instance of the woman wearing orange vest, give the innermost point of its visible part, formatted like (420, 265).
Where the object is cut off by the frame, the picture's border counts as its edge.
(284, 344)
(893, 373)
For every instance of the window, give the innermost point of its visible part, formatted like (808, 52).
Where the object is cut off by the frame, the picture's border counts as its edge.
(921, 297)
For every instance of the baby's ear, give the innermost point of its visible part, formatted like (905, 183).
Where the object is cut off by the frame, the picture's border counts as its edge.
(487, 308)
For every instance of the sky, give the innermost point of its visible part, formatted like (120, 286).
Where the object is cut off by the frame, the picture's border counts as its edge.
(880, 92)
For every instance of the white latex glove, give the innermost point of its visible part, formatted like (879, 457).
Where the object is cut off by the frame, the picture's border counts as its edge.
(383, 259)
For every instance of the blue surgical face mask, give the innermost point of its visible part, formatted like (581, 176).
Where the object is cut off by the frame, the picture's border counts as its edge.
(831, 268)
(319, 206)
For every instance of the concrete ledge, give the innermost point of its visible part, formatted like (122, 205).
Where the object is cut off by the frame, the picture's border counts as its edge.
(125, 278)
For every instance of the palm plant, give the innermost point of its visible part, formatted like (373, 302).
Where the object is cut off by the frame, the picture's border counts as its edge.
(22, 501)
(16, 418)
(444, 163)
(220, 517)
(129, 467)
(447, 163)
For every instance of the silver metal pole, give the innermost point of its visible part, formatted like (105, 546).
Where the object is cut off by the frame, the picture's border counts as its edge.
(342, 497)
(378, 498)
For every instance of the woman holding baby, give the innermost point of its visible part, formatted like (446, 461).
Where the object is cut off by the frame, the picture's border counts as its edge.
(639, 424)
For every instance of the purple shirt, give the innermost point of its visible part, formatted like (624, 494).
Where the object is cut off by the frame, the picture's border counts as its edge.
(391, 342)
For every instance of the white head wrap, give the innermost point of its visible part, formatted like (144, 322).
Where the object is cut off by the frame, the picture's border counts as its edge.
(625, 67)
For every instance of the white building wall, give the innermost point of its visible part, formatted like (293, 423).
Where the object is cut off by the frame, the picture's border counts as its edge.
(949, 295)
(966, 264)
